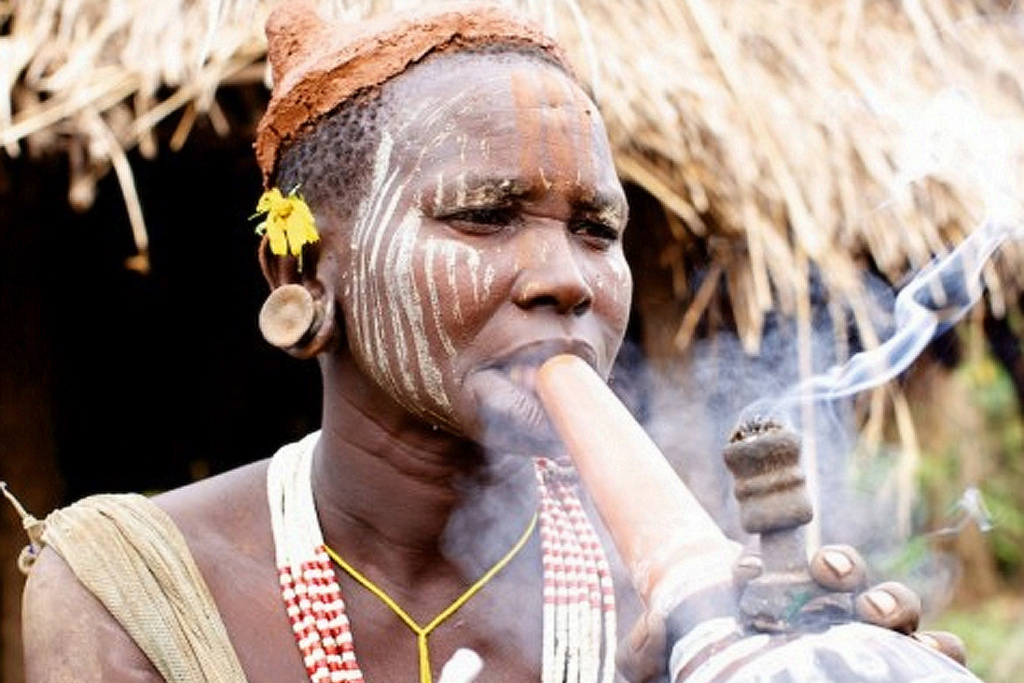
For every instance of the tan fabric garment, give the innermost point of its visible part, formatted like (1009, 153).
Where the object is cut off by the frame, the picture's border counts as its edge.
(129, 553)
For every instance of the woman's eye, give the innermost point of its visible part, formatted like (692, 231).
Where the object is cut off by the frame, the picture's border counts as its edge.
(480, 221)
(596, 233)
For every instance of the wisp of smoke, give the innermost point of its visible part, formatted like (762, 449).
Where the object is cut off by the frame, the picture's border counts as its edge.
(937, 297)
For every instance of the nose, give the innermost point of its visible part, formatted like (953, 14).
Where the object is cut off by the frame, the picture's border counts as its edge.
(550, 274)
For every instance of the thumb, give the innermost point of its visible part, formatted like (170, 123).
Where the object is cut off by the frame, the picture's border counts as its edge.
(643, 656)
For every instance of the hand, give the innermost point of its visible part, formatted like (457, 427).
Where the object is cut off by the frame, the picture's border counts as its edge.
(891, 604)
(643, 656)
(839, 570)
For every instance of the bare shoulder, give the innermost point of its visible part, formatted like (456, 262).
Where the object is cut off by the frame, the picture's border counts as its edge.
(226, 523)
(70, 636)
(227, 507)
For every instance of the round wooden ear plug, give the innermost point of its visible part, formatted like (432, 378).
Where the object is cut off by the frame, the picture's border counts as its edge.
(288, 315)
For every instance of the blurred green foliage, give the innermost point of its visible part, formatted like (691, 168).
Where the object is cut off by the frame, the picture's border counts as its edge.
(964, 552)
(993, 633)
(991, 390)
(992, 626)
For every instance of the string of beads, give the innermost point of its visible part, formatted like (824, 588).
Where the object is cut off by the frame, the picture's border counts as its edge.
(579, 605)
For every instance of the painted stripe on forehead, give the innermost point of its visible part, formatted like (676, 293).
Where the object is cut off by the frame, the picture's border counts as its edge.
(431, 114)
(559, 142)
(563, 148)
(589, 132)
(526, 102)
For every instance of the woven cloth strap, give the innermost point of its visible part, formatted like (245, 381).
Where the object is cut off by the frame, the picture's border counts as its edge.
(129, 554)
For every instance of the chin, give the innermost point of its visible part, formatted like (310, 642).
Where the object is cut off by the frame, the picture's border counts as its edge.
(521, 432)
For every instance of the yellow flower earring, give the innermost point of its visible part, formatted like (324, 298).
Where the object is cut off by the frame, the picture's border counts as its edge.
(288, 223)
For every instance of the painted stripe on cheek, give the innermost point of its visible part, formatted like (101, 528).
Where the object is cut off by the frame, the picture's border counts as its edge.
(451, 269)
(433, 277)
(367, 240)
(379, 300)
(402, 271)
(389, 280)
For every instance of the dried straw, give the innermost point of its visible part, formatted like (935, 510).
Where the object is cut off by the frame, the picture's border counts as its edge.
(811, 134)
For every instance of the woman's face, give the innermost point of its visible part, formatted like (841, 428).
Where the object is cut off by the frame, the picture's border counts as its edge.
(491, 239)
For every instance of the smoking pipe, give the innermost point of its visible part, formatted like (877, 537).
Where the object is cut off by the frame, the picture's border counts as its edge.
(678, 557)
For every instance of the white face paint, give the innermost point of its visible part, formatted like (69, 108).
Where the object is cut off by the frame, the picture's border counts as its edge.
(489, 240)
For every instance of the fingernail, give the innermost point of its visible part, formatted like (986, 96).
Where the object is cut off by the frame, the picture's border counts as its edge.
(838, 562)
(751, 562)
(928, 640)
(883, 602)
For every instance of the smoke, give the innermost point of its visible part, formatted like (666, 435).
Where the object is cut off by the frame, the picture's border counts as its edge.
(698, 410)
(969, 509)
(934, 300)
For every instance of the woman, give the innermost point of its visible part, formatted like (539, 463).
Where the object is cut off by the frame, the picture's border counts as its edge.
(442, 214)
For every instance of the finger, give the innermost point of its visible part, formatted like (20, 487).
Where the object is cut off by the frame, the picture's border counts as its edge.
(890, 605)
(644, 657)
(839, 568)
(747, 567)
(945, 642)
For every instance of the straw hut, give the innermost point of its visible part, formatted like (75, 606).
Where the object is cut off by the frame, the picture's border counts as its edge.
(790, 166)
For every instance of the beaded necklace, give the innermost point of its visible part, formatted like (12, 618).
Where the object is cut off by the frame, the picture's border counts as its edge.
(579, 626)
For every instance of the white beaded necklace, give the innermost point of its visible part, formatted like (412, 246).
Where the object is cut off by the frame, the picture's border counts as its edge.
(579, 629)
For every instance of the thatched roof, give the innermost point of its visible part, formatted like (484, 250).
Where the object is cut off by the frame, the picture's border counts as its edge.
(788, 135)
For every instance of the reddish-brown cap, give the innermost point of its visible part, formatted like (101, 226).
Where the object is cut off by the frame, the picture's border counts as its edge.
(317, 65)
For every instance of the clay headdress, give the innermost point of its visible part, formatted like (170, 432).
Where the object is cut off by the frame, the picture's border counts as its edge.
(317, 65)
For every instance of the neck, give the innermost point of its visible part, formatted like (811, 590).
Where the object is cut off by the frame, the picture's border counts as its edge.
(393, 491)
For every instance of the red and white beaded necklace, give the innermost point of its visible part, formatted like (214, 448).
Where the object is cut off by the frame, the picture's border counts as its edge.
(579, 630)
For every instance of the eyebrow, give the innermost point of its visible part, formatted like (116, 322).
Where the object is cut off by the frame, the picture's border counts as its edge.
(488, 191)
(606, 207)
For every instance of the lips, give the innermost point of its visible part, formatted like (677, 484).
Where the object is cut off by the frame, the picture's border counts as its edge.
(520, 366)
(525, 359)
(507, 405)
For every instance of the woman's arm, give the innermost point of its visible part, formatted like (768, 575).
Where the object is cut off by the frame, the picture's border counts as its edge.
(70, 637)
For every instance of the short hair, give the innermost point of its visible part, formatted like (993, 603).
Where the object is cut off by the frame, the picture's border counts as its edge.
(331, 161)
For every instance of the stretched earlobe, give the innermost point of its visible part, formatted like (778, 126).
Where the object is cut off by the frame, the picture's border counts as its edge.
(298, 318)
(293, 320)
(288, 316)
